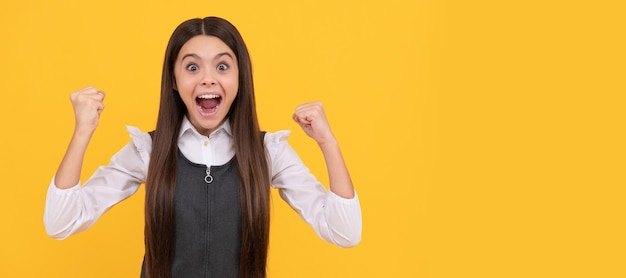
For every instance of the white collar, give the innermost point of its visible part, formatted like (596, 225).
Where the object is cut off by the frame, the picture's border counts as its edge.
(186, 126)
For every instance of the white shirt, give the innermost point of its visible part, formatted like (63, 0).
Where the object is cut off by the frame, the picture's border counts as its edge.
(334, 219)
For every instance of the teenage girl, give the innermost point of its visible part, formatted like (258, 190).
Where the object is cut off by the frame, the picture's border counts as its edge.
(207, 167)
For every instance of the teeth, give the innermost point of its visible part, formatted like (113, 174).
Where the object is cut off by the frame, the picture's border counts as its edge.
(208, 96)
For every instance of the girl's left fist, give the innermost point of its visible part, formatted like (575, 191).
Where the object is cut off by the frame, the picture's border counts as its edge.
(312, 119)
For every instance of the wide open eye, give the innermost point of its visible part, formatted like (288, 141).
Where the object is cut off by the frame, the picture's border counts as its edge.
(222, 67)
(192, 67)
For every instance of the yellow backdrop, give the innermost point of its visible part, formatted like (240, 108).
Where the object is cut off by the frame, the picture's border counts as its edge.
(485, 138)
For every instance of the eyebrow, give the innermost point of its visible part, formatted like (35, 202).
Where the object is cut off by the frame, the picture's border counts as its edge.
(193, 55)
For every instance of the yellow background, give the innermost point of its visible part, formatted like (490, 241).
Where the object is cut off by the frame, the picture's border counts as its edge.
(485, 138)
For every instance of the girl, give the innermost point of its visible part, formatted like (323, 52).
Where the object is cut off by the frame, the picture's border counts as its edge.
(207, 167)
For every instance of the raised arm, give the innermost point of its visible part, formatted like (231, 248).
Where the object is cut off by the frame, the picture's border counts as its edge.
(88, 105)
(70, 208)
(312, 119)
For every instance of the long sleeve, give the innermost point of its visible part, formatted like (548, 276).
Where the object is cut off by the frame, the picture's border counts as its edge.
(70, 211)
(334, 219)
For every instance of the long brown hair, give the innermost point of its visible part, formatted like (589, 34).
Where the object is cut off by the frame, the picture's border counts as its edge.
(250, 156)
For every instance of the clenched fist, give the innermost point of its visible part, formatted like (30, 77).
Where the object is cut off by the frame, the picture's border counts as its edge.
(88, 105)
(312, 119)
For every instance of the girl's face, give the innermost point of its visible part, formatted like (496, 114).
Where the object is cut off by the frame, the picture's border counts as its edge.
(207, 79)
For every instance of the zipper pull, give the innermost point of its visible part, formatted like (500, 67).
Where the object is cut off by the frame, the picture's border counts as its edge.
(208, 178)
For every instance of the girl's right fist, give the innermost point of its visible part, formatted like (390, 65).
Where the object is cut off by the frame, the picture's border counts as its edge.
(87, 105)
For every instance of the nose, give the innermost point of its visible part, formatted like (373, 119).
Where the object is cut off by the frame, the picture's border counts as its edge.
(208, 83)
(208, 79)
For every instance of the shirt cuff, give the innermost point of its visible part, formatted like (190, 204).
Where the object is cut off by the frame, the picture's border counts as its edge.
(53, 187)
(342, 200)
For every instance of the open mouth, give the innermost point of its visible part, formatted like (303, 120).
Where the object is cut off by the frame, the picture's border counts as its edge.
(208, 103)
